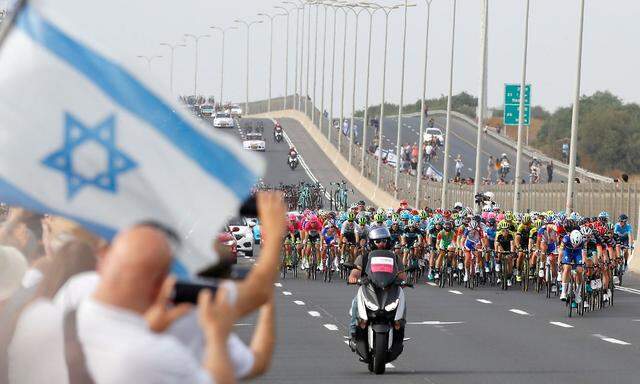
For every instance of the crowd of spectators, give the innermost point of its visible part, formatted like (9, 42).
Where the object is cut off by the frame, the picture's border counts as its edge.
(75, 308)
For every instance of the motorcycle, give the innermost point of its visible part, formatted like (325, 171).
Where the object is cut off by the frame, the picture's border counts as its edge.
(505, 167)
(381, 312)
(277, 135)
(293, 162)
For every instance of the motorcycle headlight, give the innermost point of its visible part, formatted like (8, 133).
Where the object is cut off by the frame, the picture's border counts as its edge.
(392, 306)
(370, 305)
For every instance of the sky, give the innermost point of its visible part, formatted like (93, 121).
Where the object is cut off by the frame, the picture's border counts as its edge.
(610, 57)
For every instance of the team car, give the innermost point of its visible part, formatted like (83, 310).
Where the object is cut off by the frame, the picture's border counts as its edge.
(243, 233)
(234, 110)
(207, 110)
(254, 141)
(430, 133)
(223, 120)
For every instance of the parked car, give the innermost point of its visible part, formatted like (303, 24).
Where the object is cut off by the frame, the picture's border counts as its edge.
(429, 133)
(226, 246)
(243, 234)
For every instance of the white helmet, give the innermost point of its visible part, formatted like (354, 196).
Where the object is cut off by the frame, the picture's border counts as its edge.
(489, 195)
(473, 224)
(586, 231)
(576, 238)
(457, 205)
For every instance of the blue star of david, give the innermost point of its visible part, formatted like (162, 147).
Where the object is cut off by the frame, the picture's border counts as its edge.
(75, 135)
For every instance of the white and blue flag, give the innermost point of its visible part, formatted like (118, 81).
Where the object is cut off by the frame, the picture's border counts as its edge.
(84, 137)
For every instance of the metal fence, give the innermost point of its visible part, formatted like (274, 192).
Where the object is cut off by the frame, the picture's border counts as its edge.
(590, 197)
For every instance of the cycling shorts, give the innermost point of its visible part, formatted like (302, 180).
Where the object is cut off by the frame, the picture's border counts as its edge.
(623, 240)
(572, 256)
(350, 237)
(551, 248)
(313, 238)
(470, 245)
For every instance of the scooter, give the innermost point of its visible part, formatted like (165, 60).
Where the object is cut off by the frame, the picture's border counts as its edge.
(293, 162)
(381, 312)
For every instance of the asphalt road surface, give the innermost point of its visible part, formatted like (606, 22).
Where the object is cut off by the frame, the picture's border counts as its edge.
(456, 335)
(463, 142)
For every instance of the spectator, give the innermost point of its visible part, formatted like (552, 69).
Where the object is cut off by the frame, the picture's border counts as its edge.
(490, 167)
(14, 265)
(625, 177)
(550, 171)
(459, 166)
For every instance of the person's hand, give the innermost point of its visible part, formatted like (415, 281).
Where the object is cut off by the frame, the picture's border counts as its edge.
(18, 214)
(162, 313)
(271, 212)
(215, 315)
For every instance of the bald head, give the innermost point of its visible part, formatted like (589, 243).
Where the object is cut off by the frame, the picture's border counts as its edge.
(135, 266)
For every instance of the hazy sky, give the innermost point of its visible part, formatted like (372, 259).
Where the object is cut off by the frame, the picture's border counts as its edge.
(610, 62)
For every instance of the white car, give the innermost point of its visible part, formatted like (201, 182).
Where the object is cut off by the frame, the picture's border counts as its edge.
(434, 132)
(207, 110)
(254, 141)
(239, 227)
(223, 120)
(234, 110)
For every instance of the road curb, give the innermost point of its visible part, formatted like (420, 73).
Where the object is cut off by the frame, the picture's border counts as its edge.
(378, 196)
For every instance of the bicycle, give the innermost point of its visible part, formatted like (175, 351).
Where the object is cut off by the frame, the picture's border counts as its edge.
(312, 272)
(328, 263)
(571, 296)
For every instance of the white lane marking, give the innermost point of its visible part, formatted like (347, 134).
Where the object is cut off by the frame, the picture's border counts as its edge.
(303, 163)
(331, 327)
(298, 302)
(243, 325)
(431, 283)
(629, 290)
(561, 324)
(518, 311)
(278, 285)
(314, 313)
(456, 292)
(484, 301)
(635, 320)
(434, 322)
(286, 293)
(610, 339)
(389, 366)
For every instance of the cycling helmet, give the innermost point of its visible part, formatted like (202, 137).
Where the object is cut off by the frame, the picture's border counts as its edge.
(586, 231)
(549, 220)
(500, 217)
(351, 216)
(438, 220)
(395, 217)
(411, 223)
(574, 216)
(603, 216)
(491, 221)
(526, 219)
(473, 224)
(576, 238)
(378, 218)
(610, 226)
(446, 214)
(503, 225)
(447, 226)
(458, 205)
(377, 234)
(423, 215)
(388, 223)
(537, 223)
(405, 216)
(458, 222)
(623, 217)
(477, 218)
(362, 220)
(508, 216)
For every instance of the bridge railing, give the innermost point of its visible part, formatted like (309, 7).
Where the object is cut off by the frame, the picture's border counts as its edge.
(591, 196)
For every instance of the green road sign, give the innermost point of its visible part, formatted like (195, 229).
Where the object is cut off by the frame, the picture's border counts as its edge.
(512, 104)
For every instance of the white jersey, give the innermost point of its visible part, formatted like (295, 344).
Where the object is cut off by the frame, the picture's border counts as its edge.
(348, 227)
(362, 231)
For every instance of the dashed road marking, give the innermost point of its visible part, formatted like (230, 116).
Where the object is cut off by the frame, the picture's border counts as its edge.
(611, 339)
(561, 324)
(628, 290)
(455, 292)
(314, 313)
(431, 283)
(298, 302)
(519, 311)
(286, 293)
(331, 327)
(484, 301)
(243, 325)
(278, 285)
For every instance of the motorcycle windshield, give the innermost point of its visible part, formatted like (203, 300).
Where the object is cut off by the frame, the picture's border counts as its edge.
(381, 268)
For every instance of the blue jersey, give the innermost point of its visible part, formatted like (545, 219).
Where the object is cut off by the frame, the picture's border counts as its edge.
(491, 234)
(622, 231)
(570, 254)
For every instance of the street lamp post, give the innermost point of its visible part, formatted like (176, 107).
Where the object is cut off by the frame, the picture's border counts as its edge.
(224, 31)
(447, 142)
(196, 39)
(333, 68)
(523, 83)
(422, 104)
(172, 47)
(573, 149)
(149, 59)
(324, 62)
(482, 96)
(306, 86)
(270, 17)
(296, 87)
(248, 25)
(286, 58)
(366, 94)
(315, 65)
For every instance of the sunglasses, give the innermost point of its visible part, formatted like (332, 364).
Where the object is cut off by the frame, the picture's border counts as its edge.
(378, 241)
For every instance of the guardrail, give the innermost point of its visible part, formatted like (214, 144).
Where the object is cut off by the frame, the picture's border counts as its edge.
(593, 194)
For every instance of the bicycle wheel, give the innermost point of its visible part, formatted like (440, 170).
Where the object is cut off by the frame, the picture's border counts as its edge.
(525, 274)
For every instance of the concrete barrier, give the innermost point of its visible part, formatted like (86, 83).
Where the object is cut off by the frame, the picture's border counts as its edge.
(378, 196)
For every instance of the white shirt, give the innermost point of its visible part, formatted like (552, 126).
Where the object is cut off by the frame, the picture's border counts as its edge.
(36, 352)
(185, 329)
(31, 278)
(120, 348)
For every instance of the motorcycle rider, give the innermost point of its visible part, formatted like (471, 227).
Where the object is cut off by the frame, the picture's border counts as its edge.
(379, 239)
(277, 129)
(293, 155)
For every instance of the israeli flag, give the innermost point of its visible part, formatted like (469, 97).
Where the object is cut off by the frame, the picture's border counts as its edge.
(85, 138)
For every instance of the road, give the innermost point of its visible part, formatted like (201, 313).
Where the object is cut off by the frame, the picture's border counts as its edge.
(463, 142)
(456, 335)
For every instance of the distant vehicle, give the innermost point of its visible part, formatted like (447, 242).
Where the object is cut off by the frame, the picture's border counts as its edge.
(223, 120)
(254, 141)
(434, 132)
(255, 225)
(226, 246)
(207, 110)
(234, 110)
(243, 234)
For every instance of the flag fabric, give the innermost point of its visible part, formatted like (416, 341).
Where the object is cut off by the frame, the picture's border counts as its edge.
(85, 137)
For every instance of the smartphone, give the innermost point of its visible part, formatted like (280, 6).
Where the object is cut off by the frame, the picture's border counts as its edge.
(187, 291)
(249, 208)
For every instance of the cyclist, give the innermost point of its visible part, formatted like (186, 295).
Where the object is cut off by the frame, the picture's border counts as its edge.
(432, 237)
(444, 245)
(504, 243)
(490, 231)
(330, 236)
(293, 236)
(411, 236)
(311, 235)
(348, 231)
(548, 243)
(362, 231)
(573, 253)
(472, 241)
(522, 244)
(623, 234)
